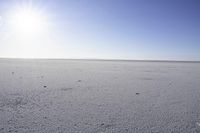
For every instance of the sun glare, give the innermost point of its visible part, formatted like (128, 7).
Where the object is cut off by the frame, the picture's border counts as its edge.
(27, 20)
(29, 28)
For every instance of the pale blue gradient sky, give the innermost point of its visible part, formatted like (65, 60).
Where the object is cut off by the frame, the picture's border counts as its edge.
(107, 29)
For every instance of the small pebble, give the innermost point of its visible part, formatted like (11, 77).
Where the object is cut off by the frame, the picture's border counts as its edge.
(137, 93)
(102, 124)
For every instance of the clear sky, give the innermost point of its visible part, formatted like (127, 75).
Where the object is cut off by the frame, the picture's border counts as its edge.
(103, 29)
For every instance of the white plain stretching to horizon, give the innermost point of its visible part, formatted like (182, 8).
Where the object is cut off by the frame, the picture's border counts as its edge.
(98, 96)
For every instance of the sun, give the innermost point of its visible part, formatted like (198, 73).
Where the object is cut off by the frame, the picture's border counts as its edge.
(27, 20)
(30, 28)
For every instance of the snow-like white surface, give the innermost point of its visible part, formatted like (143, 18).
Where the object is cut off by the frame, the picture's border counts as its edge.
(80, 96)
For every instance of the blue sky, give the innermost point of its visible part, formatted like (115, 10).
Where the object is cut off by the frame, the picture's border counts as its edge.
(107, 29)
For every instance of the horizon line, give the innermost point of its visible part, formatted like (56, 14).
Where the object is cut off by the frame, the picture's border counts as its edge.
(101, 59)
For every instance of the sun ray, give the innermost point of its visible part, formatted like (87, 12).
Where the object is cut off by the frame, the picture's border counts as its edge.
(28, 20)
(29, 27)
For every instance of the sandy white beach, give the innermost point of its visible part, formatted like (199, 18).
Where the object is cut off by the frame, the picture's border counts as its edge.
(82, 96)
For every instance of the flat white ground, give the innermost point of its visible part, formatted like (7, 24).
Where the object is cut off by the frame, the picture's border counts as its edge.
(80, 96)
